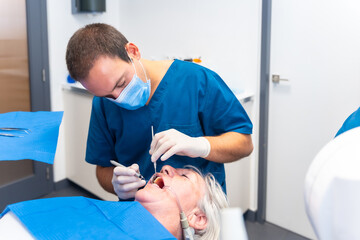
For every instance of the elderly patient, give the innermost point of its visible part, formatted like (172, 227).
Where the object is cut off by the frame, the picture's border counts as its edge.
(200, 197)
(174, 190)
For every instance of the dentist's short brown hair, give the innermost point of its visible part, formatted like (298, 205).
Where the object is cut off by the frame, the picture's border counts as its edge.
(89, 43)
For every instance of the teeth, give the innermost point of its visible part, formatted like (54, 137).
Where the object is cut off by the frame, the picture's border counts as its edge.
(156, 180)
(159, 181)
(153, 179)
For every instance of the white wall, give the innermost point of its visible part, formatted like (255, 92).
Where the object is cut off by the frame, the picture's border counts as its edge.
(225, 34)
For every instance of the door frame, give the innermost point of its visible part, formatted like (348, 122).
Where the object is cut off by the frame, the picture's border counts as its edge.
(41, 182)
(36, 16)
(264, 108)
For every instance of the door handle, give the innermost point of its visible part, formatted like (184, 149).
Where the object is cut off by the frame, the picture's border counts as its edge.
(276, 78)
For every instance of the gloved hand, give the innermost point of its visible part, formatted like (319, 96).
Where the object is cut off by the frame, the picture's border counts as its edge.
(125, 182)
(170, 142)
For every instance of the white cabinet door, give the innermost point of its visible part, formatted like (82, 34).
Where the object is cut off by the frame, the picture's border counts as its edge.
(316, 46)
(77, 108)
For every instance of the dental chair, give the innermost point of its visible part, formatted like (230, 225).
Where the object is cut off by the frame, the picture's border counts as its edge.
(332, 189)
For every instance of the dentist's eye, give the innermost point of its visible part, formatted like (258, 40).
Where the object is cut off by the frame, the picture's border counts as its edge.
(183, 175)
(121, 85)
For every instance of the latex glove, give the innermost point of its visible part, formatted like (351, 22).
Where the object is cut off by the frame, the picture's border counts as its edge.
(170, 142)
(125, 182)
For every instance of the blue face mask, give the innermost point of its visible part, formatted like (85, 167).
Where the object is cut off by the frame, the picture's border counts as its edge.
(135, 94)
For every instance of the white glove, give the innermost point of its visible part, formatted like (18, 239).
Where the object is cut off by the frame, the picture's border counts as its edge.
(170, 142)
(125, 182)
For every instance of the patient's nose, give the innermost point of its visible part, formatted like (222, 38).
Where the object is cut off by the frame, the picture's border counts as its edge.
(168, 170)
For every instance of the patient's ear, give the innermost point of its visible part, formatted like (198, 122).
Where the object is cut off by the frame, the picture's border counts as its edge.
(197, 219)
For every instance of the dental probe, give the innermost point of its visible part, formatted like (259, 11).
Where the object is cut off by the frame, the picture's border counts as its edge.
(152, 137)
(120, 165)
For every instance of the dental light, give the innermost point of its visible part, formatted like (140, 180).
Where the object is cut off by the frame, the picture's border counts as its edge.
(332, 188)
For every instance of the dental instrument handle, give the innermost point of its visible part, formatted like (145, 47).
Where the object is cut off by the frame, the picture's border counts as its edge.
(120, 165)
(152, 137)
(188, 233)
(9, 135)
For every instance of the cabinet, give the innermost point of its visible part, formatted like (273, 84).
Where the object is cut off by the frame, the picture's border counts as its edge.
(77, 110)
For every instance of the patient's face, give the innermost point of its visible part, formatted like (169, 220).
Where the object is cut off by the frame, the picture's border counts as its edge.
(188, 185)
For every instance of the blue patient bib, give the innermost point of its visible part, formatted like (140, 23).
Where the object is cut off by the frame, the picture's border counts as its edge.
(85, 218)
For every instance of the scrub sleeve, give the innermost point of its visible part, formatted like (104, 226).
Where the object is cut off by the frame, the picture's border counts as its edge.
(351, 122)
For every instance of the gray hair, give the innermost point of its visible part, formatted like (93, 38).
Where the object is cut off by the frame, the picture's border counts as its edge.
(211, 204)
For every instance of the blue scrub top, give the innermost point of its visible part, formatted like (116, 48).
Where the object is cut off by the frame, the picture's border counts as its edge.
(190, 98)
(351, 122)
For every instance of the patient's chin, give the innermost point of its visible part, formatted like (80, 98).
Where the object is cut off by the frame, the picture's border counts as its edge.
(144, 195)
(151, 194)
(139, 195)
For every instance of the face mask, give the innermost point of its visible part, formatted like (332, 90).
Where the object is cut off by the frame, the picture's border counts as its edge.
(135, 94)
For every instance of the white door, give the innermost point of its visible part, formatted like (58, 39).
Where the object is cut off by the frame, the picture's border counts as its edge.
(316, 46)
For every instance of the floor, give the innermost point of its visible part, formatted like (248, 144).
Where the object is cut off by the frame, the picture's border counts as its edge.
(268, 231)
(255, 230)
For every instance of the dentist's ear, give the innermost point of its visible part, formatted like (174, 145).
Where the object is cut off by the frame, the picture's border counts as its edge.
(133, 50)
(197, 219)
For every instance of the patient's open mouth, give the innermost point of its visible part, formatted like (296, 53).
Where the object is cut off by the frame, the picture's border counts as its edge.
(158, 181)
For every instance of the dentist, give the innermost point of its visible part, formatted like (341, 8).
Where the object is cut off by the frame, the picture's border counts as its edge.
(196, 118)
